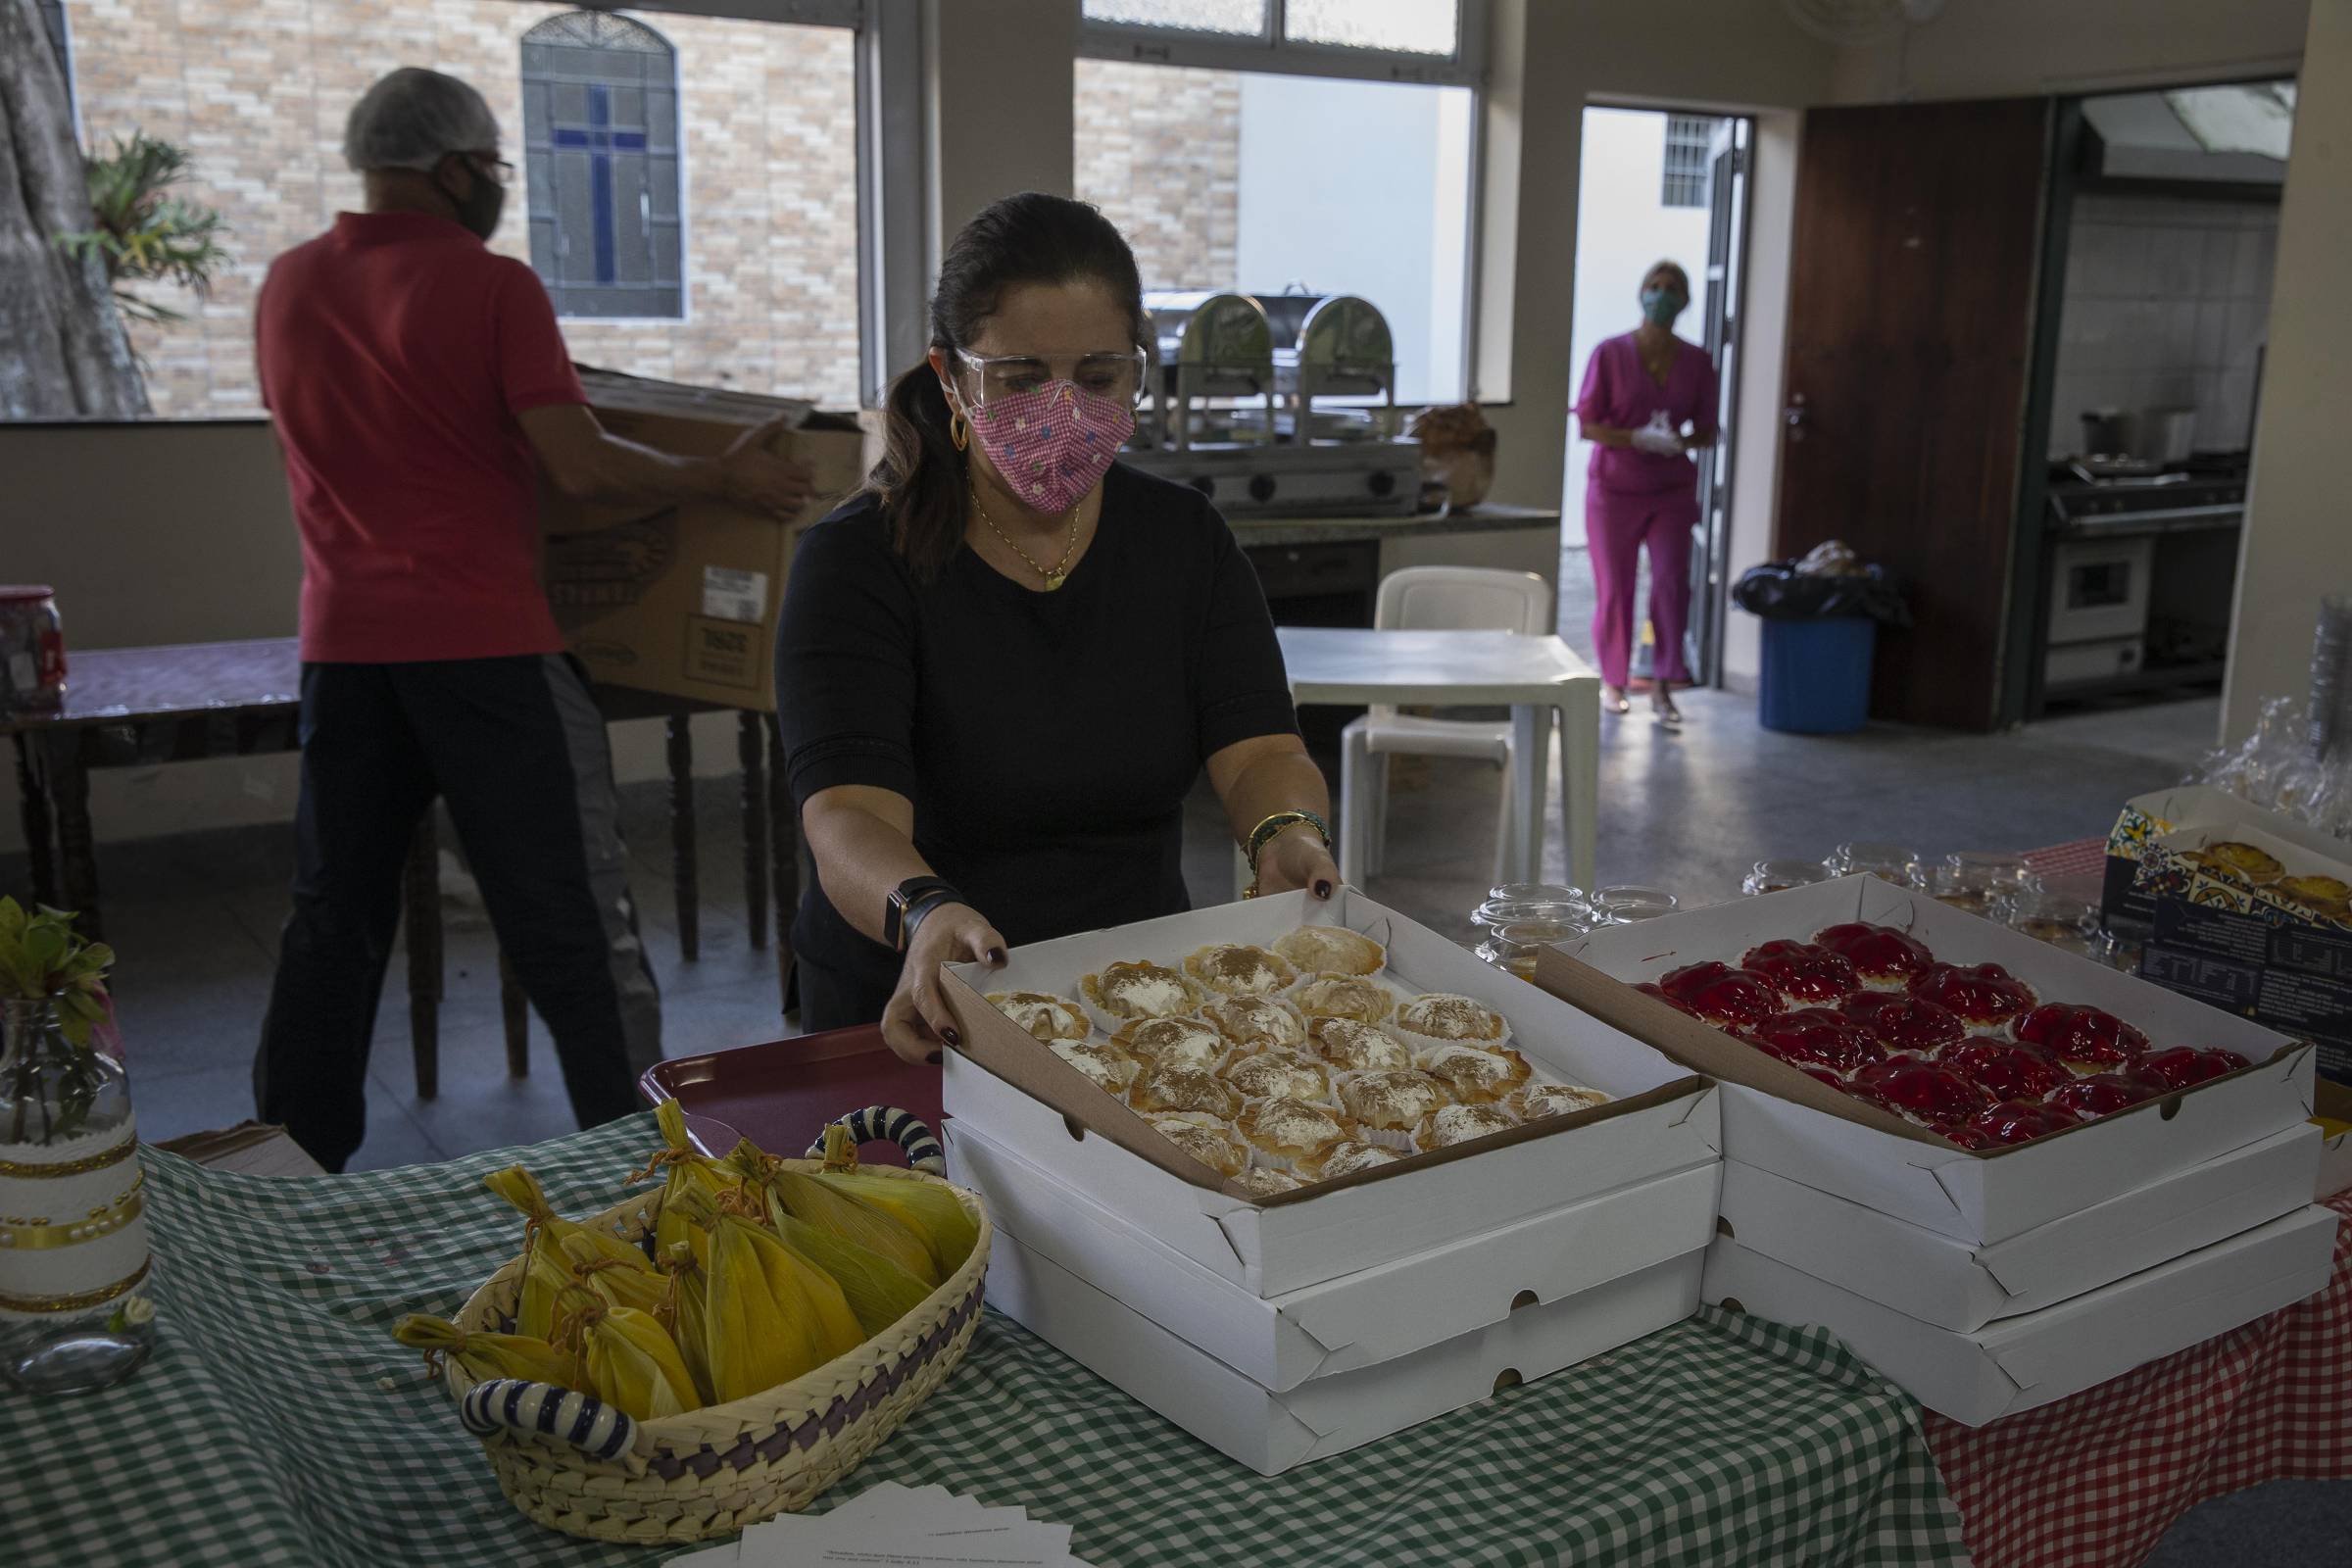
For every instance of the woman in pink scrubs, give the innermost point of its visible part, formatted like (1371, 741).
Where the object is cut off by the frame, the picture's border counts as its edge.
(1648, 403)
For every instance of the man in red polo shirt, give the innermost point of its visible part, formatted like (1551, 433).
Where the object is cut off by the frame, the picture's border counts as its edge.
(421, 388)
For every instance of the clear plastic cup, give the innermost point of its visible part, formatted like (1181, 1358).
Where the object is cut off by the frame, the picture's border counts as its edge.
(1777, 876)
(1890, 862)
(1514, 946)
(1623, 904)
(2061, 922)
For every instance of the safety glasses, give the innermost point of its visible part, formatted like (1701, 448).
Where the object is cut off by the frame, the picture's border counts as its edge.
(992, 377)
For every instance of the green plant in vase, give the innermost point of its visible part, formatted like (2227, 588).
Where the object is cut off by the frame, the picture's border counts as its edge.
(73, 1212)
(52, 982)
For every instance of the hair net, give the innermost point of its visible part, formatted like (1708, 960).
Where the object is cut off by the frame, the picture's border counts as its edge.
(415, 117)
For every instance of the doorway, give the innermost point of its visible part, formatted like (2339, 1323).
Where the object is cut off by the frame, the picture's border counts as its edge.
(1656, 185)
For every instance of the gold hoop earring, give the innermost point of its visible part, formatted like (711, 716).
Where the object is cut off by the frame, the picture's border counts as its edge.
(958, 430)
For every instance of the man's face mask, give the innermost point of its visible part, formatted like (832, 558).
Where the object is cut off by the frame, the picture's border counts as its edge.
(1661, 305)
(485, 198)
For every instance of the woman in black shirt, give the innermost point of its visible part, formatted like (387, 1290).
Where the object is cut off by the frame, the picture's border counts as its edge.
(1001, 667)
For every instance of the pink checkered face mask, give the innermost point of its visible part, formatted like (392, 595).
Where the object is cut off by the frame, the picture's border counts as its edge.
(1053, 442)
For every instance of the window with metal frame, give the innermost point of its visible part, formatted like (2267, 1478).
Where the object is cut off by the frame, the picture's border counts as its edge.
(1688, 138)
(1295, 146)
(1439, 41)
(599, 112)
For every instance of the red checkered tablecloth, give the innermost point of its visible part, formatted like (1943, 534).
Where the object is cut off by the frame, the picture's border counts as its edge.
(2095, 1479)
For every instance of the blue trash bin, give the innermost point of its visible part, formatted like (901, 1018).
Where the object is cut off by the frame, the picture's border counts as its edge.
(1816, 677)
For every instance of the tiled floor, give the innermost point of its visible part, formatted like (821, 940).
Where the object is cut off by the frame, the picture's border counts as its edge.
(196, 917)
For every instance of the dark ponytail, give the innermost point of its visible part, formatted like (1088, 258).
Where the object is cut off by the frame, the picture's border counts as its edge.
(1029, 238)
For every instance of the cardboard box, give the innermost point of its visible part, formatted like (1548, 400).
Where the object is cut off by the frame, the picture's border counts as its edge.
(2249, 945)
(2128, 909)
(1358, 1320)
(1017, 1093)
(1956, 1285)
(681, 599)
(1778, 1119)
(2020, 1362)
(1272, 1432)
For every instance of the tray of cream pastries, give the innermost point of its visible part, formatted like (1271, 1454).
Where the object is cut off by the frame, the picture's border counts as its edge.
(1299, 1061)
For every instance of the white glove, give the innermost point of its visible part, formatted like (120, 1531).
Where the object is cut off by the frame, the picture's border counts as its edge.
(1657, 438)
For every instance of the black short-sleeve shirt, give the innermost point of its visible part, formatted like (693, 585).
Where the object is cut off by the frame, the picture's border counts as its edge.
(1046, 741)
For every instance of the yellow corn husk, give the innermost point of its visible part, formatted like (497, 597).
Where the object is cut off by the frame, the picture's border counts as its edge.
(685, 1312)
(854, 1220)
(487, 1356)
(629, 1359)
(545, 1274)
(926, 1208)
(520, 1187)
(687, 1171)
(801, 1287)
(753, 1341)
(878, 1290)
(619, 1283)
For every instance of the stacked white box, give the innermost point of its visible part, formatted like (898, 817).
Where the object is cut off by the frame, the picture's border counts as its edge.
(1286, 1329)
(2047, 1243)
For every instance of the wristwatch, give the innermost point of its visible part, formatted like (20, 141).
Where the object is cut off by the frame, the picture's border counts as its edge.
(908, 898)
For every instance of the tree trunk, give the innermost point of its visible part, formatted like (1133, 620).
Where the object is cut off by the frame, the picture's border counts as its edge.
(62, 350)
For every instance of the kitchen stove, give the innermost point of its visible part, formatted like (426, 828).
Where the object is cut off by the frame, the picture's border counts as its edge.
(2140, 564)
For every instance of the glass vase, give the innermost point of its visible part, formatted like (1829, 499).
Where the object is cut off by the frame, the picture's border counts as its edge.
(73, 1312)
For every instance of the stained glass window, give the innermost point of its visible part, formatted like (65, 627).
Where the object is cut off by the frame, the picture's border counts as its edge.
(600, 115)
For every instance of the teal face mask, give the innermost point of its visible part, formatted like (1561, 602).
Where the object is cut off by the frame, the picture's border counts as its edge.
(1662, 305)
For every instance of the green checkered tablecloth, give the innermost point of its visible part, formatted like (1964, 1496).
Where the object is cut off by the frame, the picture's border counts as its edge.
(278, 1424)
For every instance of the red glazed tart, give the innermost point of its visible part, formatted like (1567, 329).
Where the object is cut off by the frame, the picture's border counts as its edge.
(1721, 995)
(2012, 1121)
(1816, 1037)
(1923, 1091)
(1901, 1023)
(1985, 995)
(2085, 1039)
(1883, 959)
(2005, 1070)
(2102, 1094)
(2186, 1066)
(1805, 974)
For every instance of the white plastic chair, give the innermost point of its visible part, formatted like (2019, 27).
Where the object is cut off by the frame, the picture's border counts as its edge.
(1441, 599)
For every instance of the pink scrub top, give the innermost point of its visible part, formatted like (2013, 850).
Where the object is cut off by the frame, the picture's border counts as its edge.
(1619, 393)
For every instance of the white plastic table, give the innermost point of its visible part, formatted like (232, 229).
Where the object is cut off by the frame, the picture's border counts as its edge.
(1535, 676)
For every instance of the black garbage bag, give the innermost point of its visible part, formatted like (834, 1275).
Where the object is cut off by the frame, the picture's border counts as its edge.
(1778, 591)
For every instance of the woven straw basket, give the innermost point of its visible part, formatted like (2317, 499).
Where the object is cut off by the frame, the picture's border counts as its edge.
(713, 1471)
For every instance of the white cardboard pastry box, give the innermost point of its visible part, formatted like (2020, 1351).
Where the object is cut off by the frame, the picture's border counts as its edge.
(2129, 907)
(1014, 1092)
(1271, 1431)
(1962, 1286)
(1778, 1119)
(1363, 1319)
(2016, 1363)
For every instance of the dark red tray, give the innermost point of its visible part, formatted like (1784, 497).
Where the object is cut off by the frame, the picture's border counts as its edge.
(779, 1094)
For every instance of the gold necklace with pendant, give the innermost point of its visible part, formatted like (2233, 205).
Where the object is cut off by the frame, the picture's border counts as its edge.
(1056, 575)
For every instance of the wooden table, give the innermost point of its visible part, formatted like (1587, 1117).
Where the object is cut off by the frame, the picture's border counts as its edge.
(1535, 675)
(143, 707)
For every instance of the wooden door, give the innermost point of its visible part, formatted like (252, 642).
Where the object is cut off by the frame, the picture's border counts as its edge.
(1909, 313)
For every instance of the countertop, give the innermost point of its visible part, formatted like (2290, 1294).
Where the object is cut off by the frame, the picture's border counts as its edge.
(1282, 530)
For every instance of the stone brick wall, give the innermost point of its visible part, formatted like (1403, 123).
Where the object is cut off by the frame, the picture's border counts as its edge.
(258, 90)
(1158, 149)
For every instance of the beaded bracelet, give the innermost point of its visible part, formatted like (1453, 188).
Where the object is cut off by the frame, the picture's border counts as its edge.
(1275, 823)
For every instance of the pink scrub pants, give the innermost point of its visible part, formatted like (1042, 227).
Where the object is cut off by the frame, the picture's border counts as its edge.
(1617, 525)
